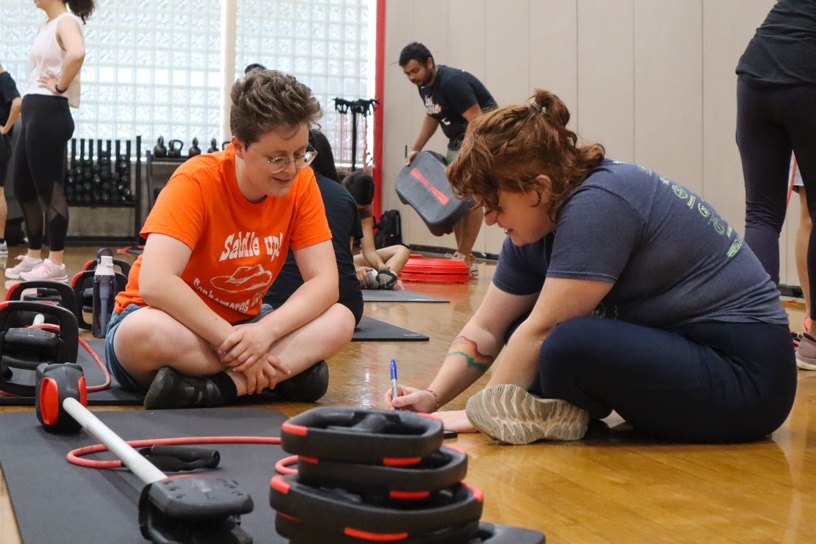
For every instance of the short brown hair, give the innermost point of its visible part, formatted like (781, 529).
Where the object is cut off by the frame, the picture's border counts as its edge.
(506, 149)
(268, 100)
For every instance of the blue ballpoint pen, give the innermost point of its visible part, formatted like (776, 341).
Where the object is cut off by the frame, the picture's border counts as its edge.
(394, 389)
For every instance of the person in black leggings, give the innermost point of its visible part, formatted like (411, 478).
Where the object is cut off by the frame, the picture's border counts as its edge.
(46, 126)
(776, 101)
(9, 113)
(616, 289)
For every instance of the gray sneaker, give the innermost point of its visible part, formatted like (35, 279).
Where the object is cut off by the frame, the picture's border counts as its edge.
(510, 414)
(806, 352)
(3, 248)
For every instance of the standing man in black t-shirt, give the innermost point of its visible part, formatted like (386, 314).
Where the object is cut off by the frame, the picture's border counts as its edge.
(9, 112)
(452, 98)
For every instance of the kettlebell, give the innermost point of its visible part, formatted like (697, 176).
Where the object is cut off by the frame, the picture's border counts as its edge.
(174, 148)
(213, 146)
(224, 144)
(194, 149)
(160, 151)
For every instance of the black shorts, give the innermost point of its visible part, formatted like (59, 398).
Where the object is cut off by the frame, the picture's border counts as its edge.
(5, 157)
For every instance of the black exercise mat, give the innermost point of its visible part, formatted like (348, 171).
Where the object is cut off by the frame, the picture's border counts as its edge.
(368, 330)
(55, 501)
(387, 295)
(113, 396)
(371, 329)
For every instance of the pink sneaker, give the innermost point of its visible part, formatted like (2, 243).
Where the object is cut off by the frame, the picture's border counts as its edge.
(46, 270)
(27, 264)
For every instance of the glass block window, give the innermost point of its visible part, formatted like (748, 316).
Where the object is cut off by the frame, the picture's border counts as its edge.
(154, 69)
(150, 69)
(326, 44)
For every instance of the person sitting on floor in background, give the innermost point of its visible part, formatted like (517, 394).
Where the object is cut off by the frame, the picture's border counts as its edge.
(344, 222)
(376, 268)
(190, 329)
(616, 289)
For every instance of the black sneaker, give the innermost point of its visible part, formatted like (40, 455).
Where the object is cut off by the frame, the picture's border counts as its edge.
(172, 390)
(308, 386)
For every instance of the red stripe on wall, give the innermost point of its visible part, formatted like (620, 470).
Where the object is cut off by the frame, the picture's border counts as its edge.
(379, 87)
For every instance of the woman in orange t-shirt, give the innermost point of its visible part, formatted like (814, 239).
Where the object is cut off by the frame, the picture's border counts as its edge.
(190, 328)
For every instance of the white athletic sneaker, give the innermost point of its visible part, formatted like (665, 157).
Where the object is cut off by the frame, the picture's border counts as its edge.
(3, 248)
(27, 264)
(510, 414)
(372, 280)
(470, 260)
(46, 270)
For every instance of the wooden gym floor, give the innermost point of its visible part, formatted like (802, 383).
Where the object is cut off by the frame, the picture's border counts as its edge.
(613, 486)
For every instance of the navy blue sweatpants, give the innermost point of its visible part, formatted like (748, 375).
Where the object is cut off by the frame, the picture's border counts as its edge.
(710, 382)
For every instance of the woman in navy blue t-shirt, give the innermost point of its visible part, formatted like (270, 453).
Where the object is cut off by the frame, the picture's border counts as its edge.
(616, 289)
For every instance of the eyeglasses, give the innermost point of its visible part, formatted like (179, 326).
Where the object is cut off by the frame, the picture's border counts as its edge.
(279, 164)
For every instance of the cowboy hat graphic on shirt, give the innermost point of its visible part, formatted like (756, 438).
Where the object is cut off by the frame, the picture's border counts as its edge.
(245, 278)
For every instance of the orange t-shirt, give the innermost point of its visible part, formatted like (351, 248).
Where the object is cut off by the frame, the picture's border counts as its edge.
(238, 247)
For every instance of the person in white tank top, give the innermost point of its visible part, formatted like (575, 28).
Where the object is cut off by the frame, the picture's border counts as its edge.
(53, 85)
(56, 56)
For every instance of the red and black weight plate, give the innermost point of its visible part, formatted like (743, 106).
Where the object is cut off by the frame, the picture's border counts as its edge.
(445, 467)
(475, 533)
(28, 347)
(299, 532)
(337, 511)
(362, 436)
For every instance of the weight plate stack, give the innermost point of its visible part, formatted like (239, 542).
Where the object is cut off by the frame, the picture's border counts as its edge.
(381, 476)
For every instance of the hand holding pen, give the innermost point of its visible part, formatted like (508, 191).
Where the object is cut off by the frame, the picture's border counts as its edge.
(411, 399)
(394, 387)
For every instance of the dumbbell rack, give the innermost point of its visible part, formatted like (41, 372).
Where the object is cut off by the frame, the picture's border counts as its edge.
(157, 173)
(102, 176)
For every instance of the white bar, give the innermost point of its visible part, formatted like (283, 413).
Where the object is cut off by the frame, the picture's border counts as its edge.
(141, 467)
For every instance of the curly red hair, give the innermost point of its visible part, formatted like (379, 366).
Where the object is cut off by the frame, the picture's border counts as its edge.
(506, 149)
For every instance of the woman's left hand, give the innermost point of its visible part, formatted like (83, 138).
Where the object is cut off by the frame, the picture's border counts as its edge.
(456, 420)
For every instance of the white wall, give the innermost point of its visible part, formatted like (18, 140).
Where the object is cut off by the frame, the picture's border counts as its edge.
(652, 80)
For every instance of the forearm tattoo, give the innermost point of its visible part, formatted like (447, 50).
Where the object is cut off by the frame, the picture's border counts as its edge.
(473, 357)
